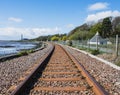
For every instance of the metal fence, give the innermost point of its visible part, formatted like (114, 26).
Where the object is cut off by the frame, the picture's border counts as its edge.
(106, 48)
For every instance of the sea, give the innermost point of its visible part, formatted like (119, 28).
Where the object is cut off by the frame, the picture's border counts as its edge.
(13, 47)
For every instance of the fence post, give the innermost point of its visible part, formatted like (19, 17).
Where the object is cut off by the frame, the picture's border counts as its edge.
(97, 42)
(88, 44)
(116, 45)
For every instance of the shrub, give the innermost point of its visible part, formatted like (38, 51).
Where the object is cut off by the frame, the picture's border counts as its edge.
(30, 51)
(22, 53)
(69, 43)
(82, 48)
(95, 52)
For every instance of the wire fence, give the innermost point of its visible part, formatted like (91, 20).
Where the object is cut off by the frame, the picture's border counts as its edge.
(106, 48)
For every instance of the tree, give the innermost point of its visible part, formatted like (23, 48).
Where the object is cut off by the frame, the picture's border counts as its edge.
(64, 38)
(76, 36)
(117, 30)
(106, 27)
(96, 28)
(80, 35)
(54, 38)
(116, 25)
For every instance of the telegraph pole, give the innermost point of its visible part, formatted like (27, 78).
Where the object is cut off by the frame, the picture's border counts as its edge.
(116, 45)
(97, 34)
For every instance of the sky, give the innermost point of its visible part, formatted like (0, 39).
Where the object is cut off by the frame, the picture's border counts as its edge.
(34, 18)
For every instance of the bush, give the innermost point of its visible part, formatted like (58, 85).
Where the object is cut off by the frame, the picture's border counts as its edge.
(95, 52)
(30, 51)
(69, 43)
(54, 38)
(22, 53)
(82, 48)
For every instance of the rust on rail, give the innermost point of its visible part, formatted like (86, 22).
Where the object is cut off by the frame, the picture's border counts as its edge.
(60, 88)
(49, 67)
(61, 79)
(97, 88)
(18, 89)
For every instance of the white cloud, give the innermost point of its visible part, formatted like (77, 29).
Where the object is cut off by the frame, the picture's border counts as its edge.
(27, 32)
(15, 19)
(100, 15)
(98, 6)
(70, 26)
(45, 31)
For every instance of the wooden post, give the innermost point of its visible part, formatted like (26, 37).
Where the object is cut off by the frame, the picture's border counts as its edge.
(116, 45)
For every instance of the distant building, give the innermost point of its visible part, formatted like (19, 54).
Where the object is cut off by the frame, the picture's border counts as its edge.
(21, 36)
(98, 39)
(23, 39)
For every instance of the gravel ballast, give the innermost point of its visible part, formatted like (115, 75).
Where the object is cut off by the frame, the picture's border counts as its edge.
(55, 79)
(12, 70)
(106, 75)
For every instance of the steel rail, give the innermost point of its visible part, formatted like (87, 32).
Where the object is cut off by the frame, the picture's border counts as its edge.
(28, 79)
(97, 88)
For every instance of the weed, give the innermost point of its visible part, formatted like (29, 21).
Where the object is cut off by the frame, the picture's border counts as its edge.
(95, 52)
(22, 53)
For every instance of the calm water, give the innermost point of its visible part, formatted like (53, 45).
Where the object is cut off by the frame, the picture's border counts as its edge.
(8, 47)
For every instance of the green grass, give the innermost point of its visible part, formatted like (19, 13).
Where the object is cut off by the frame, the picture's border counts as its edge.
(92, 51)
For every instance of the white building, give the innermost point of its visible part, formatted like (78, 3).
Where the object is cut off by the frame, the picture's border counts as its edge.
(98, 39)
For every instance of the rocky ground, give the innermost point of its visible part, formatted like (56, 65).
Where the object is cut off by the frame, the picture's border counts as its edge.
(111, 58)
(11, 70)
(107, 76)
(60, 77)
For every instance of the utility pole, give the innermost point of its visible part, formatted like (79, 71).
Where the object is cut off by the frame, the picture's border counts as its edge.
(116, 45)
(97, 43)
(88, 44)
(97, 34)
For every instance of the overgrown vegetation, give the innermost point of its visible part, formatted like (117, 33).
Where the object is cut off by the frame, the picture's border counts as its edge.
(27, 52)
(23, 53)
(95, 52)
(69, 43)
(92, 51)
(30, 51)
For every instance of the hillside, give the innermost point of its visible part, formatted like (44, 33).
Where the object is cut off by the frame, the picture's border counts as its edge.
(84, 27)
(107, 27)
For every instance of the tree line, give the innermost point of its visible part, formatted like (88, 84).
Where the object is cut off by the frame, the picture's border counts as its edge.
(107, 27)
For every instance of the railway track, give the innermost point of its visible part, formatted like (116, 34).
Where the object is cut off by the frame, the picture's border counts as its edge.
(59, 74)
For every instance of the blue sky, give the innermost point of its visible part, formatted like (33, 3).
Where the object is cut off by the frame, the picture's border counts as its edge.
(34, 18)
